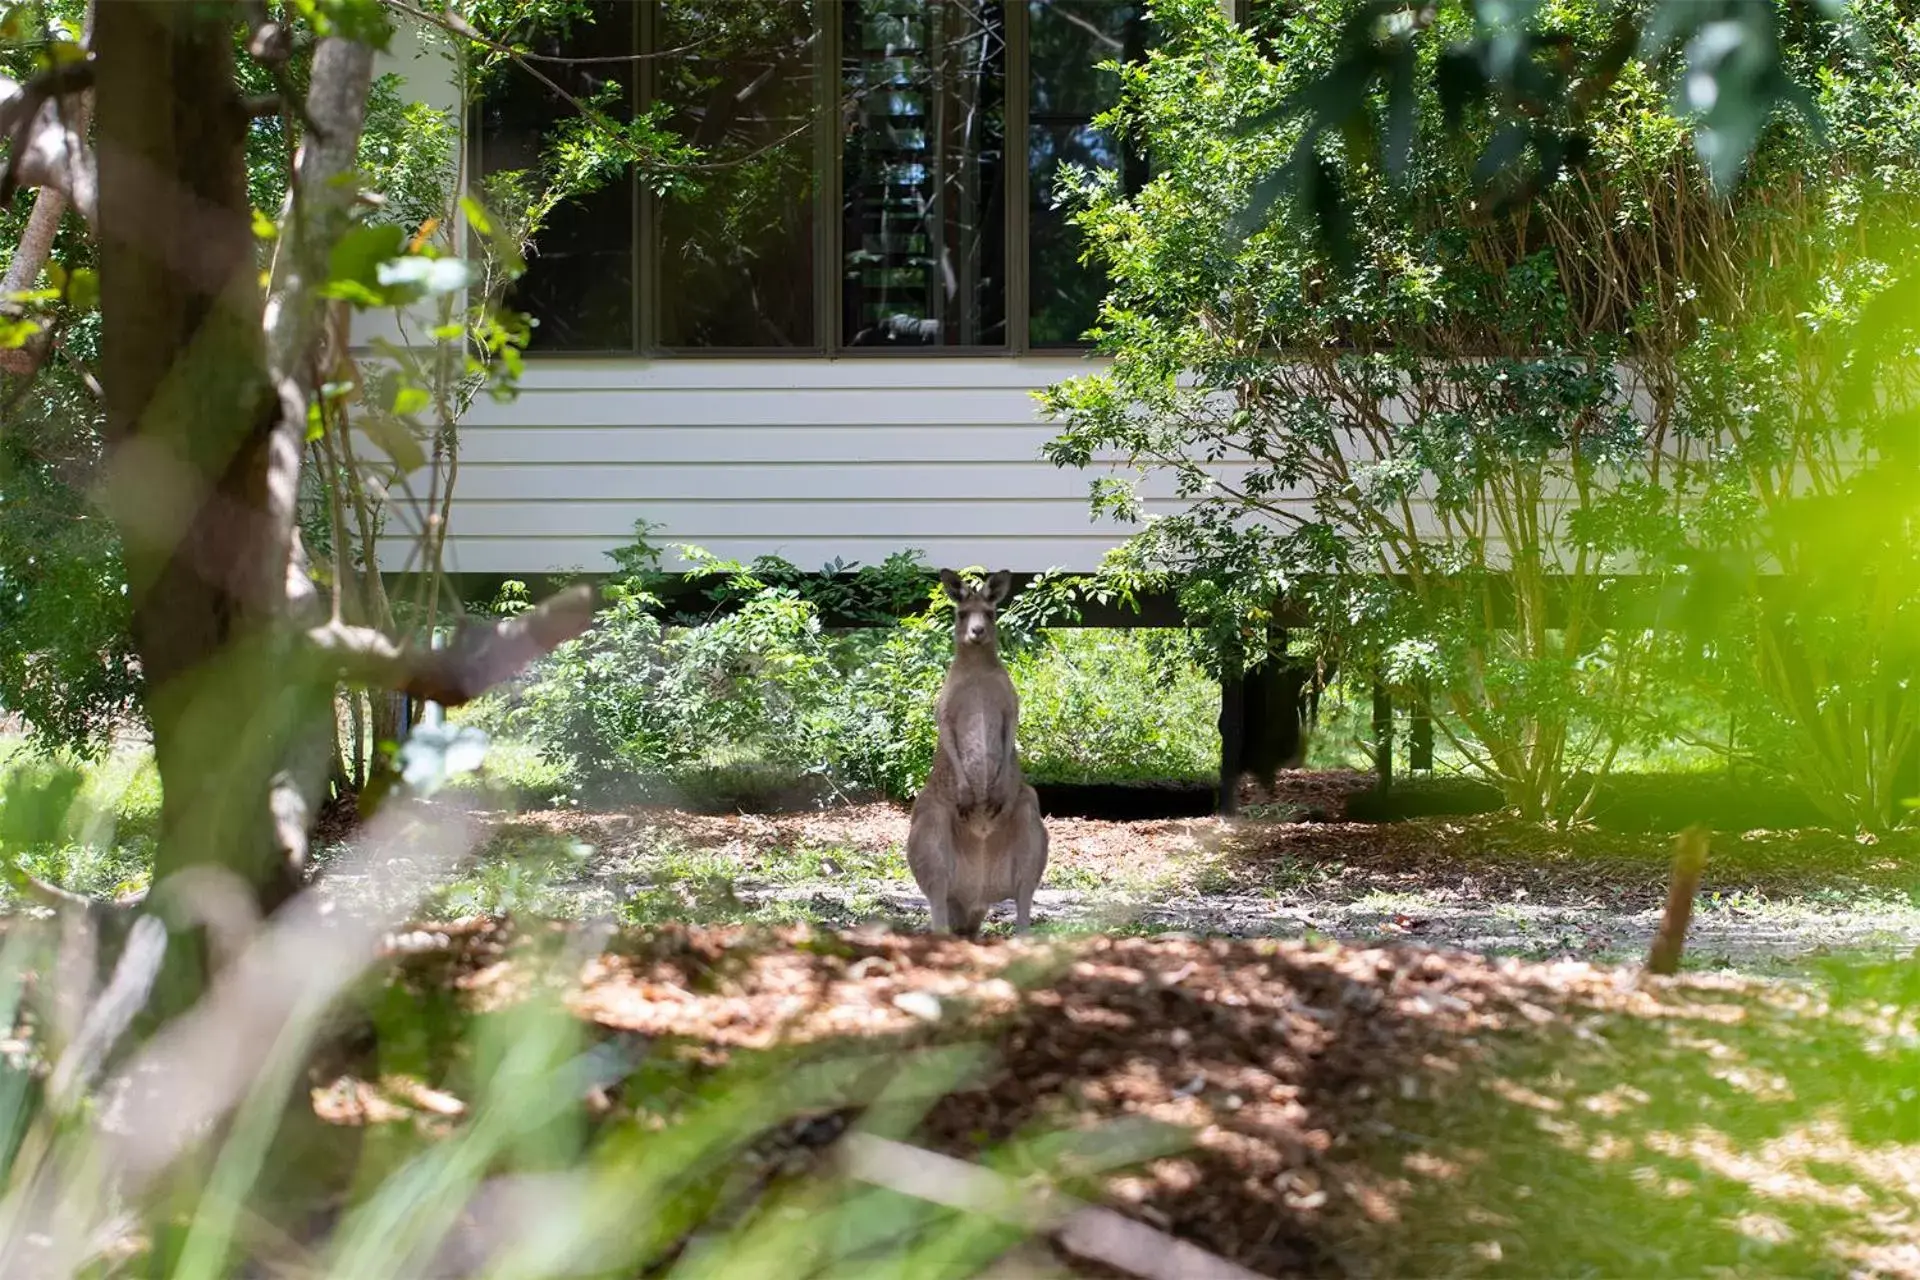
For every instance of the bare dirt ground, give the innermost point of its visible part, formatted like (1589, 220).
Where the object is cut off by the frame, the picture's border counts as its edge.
(1487, 884)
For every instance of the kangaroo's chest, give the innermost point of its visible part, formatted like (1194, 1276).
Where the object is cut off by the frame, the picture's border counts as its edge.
(977, 717)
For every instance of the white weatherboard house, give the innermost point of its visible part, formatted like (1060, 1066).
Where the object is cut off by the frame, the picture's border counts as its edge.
(829, 353)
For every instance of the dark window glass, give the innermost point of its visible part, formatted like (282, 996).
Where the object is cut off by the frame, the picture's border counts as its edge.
(579, 283)
(735, 259)
(1068, 40)
(923, 177)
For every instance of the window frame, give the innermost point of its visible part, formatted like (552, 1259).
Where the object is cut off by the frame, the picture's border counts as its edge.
(828, 162)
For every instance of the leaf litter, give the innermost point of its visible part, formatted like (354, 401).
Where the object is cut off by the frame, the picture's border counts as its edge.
(1346, 1110)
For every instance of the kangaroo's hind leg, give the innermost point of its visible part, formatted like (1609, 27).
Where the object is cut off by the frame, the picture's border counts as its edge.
(1027, 854)
(966, 922)
(930, 856)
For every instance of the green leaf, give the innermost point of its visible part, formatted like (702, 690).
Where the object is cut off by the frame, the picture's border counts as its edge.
(476, 215)
(264, 227)
(14, 333)
(407, 400)
(353, 268)
(35, 805)
(365, 21)
(395, 440)
(62, 53)
(83, 289)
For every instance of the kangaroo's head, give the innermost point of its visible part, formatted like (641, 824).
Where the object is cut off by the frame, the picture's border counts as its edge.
(974, 608)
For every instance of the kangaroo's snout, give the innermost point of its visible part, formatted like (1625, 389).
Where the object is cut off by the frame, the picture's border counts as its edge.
(976, 630)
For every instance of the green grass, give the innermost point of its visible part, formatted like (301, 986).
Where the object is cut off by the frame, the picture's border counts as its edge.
(520, 769)
(826, 862)
(104, 845)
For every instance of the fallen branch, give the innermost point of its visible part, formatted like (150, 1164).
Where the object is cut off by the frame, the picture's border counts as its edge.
(1689, 863)
(477, 658)
(1084, 1230)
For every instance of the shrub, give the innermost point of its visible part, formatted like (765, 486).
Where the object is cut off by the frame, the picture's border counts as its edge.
(1458, 451)
(746, 701)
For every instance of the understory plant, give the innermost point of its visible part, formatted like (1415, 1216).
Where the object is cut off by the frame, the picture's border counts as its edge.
(1466, 453)
(1803, 549)
(831, 679)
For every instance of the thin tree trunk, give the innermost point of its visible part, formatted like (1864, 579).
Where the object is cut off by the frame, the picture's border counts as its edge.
(340, 777)
(43, 224)
(356, 704)
(1689, 864)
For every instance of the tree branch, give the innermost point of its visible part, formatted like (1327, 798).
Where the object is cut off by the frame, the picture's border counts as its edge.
(478, 658)
(317, 212)
(66, 133)
(44, 148)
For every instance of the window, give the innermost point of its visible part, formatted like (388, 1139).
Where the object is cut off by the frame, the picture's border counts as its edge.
(1068, 40)
(923, 174)
(736, 263)
(873, 175)
(580, 280)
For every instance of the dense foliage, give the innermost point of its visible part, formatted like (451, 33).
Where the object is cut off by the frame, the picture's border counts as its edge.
(785, 678)
(68, 671)
(1512, 412)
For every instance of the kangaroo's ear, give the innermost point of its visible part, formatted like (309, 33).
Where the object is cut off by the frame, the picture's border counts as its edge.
(998, 585)
(956, 589)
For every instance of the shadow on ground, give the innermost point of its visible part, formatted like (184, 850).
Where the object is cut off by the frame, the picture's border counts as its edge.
(1381, 1112)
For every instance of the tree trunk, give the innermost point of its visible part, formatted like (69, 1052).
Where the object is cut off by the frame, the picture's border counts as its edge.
(190, 414)
(339, 775)
(206, 395)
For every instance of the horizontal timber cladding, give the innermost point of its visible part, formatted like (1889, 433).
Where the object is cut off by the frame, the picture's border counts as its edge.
(811, 460)
(562, 557)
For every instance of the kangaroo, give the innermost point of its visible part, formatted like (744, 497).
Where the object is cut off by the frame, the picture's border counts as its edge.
(976, 837)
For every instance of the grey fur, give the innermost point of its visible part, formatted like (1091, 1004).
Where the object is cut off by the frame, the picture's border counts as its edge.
(976, 837)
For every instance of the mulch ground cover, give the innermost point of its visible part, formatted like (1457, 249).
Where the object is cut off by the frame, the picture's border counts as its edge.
(1349, 1111)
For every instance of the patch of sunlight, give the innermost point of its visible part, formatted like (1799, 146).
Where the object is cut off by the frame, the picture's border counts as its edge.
(1765, 1087)
(1763, 1228)
(1777, 1168)
(1428, 1165)
(1610, 1146)
(1616, 1101)
(1521, 1096)
(1389, 901)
